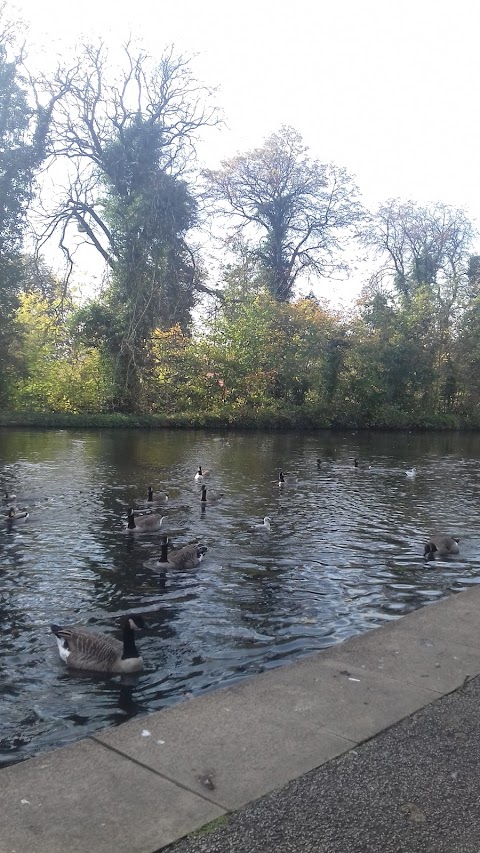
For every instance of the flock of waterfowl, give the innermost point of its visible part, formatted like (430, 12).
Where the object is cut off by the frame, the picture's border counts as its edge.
(84, 650)
(81, 649)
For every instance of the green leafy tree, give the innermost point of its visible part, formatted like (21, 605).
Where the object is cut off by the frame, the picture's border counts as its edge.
(392, 370)
(427, 269)
(58, 375)
(23, 132)
(262, 357)
(466, 349)
(177, 381)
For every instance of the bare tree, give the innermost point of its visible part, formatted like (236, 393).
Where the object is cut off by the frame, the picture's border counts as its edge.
(125, 141)
(299, 210)
(422, 245)
(113, 129)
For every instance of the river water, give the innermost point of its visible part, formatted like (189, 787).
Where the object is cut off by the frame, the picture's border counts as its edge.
(344, 555)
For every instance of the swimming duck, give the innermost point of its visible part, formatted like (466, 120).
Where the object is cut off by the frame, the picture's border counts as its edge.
(213, 496)
(441, 546)
(188, 557)
(81, 649)
(144, 523)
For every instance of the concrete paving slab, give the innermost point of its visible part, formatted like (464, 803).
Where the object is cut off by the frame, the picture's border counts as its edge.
(232, 745)
(87, 797)
(455, 619)
(353, 703)
(411, 789)
(409, 652)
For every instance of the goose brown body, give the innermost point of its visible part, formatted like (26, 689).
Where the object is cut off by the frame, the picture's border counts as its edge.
(82, 649)
(144, 523)
(213, 496)
(441, 546)
(188, 557)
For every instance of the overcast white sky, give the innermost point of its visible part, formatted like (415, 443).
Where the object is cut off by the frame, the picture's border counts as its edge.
(387, 88)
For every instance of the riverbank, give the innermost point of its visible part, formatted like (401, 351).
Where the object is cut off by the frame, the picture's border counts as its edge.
(157, 778)
(288, 419)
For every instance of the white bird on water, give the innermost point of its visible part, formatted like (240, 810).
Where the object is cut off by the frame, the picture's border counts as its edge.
(411, 472)
(265, 527)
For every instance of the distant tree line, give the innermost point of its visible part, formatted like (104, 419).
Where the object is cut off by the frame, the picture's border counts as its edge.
(105, 155)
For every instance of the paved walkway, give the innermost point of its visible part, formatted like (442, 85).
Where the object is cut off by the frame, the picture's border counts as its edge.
(414, 788)
(143, 785)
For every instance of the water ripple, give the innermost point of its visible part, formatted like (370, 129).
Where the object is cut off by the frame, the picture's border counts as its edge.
(344, 554)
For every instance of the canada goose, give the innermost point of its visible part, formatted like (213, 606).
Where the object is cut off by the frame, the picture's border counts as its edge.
(411, 472)
(16, 515)
(441, 545)
(188, 557)
(80, 649)
(286, 479)
(361, 465)
(265, 527)
(9, 498)
(213, 497)
(144, 523)
(201, 474)
(151, 499)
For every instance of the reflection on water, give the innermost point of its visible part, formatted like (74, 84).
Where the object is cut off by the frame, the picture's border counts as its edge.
(344, 554)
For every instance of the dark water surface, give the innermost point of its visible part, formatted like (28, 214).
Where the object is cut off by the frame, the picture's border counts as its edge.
(344, 555)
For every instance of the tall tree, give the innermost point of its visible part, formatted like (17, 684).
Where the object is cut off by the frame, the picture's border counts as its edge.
(298, 209)
(128, 137)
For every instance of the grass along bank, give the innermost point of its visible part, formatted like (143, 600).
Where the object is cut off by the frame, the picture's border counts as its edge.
(263, 420)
